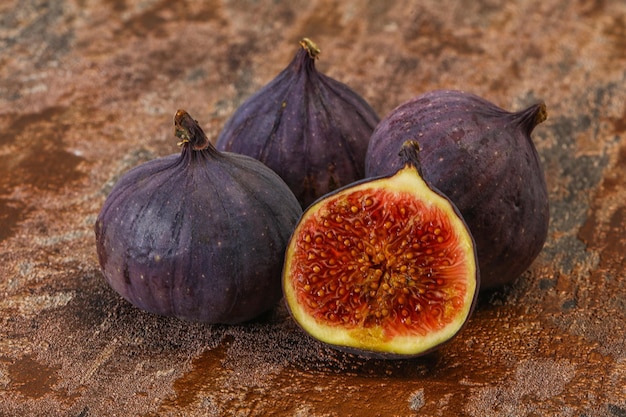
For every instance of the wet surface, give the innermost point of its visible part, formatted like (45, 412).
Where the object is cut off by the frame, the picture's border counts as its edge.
(30, 378)
(35, 154)
(88, 91)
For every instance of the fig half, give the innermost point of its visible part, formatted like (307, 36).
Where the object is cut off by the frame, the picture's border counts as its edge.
(385, 267)
(483, 158)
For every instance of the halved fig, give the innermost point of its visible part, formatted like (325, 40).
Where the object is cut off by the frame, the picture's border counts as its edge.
(385, 267)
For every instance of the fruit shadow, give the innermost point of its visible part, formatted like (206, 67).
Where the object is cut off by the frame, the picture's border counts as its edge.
(304, 354)
(99, 316)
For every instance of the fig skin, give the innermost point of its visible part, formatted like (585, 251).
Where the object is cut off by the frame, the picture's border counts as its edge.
(311, 129)
(198, 235)
(483, 158)
(382, 240)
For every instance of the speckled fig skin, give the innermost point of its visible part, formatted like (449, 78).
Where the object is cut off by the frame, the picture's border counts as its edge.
(309, 128)
(198, 235)
(483, 158)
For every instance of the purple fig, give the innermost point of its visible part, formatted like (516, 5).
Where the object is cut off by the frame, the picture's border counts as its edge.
(199, 235)
(309, 128)
(483, 158)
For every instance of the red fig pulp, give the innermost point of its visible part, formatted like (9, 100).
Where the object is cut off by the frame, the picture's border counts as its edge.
(384, 267)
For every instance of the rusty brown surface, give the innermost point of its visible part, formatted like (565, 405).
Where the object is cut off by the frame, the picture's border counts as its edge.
(89, 89)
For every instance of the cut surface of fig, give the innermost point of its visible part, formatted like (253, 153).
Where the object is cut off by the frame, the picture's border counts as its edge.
(385, 266)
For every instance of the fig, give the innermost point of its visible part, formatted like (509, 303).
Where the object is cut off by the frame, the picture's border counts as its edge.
(311, 129)
(384, 267)
(482, 158)
(199, 235)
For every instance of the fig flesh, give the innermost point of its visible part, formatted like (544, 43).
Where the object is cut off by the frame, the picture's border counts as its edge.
(483, 158)
(198, 235)
(309, 128)
(384, 267)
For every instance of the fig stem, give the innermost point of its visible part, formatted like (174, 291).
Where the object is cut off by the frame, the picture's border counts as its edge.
(189, 131)
(542, 113)
(310, 47)
(409, 154)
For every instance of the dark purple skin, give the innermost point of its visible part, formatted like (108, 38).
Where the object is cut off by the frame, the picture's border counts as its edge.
(483, 158)
(310, 129)
(198, 235)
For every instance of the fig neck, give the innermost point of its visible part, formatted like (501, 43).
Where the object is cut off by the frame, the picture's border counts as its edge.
(532, 116)
(306, 56)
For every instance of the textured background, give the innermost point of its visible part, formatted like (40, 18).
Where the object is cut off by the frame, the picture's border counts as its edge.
(88, 89)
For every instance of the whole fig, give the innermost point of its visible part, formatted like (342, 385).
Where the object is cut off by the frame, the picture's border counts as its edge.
(384, 267)
(309, 128)
(198, 235)
(483, 158)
